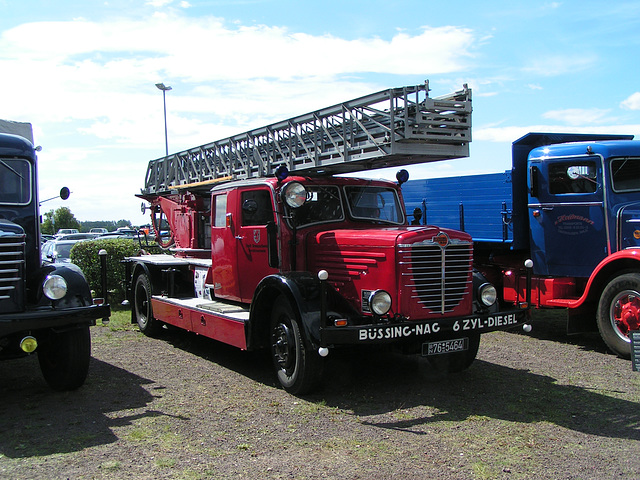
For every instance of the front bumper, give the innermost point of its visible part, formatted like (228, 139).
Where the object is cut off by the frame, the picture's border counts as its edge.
(422, 329)
(46, 318)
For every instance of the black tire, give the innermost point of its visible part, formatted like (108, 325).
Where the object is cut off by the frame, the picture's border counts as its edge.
(142, 307)
(447, 363)
(64, 358)
(619, 312)
(298, 367)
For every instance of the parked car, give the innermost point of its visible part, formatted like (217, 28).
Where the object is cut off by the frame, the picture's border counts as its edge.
(99, 231)
(57, 251)
(118, 235)
(66, 231)
(45, 238)
(78, 236)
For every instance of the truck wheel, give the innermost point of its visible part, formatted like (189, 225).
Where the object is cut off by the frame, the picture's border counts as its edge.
(619, 312)
(456, 362)
(64, 358)
(298, 367)
(142, 307)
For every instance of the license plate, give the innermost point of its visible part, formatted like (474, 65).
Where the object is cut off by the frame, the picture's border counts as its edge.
(445, 346)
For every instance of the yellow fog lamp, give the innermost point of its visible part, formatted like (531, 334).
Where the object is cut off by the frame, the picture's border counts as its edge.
(28, 344)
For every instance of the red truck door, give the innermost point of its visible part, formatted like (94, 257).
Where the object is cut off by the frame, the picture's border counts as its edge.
(255, 210)
(223, 247)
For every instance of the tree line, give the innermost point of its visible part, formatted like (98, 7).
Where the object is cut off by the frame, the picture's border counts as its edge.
(52, 221)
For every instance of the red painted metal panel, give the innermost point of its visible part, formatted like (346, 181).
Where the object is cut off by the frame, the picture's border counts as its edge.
(217, 327)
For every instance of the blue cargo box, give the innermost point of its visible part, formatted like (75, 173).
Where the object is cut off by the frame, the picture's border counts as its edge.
(480, 205)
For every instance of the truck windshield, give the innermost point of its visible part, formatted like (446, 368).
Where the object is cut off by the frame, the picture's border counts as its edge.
(15, 181)
(374, 203)
(625, 174)
(323, 205)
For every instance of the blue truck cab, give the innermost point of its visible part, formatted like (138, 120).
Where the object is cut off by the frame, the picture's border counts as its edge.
(571, 203)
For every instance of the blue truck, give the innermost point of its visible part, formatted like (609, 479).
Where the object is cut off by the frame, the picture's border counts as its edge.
(44, 309)
(570, 203)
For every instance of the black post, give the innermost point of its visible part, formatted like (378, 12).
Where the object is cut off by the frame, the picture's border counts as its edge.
(103, 277)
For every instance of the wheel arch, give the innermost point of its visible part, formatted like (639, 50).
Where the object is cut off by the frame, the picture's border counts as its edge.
(303, 292)
(582, 317)
(608, 272)
(78, 292)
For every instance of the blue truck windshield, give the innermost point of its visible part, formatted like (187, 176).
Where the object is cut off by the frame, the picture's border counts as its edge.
(625, 174)
(15, 181)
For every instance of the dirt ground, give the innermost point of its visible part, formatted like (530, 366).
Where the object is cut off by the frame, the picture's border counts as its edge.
(542, 405)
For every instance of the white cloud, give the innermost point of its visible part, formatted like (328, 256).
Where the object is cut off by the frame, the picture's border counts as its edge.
(552, 65)
(88, 88)
(632, 102)
(577, 116)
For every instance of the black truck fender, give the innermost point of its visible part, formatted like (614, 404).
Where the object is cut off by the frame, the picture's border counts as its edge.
(78, 292)
(303, 291)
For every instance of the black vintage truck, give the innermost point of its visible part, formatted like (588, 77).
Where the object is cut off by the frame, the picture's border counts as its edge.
(44, 309)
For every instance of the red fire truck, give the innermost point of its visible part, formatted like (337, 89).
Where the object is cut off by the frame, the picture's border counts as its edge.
(268, 248)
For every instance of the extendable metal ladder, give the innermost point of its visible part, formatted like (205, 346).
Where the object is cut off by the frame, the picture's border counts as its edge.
(394, 127)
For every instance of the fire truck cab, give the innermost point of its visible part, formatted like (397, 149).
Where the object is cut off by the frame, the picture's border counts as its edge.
(307, 261)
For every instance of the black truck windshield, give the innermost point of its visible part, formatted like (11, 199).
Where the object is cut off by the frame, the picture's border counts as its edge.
(625, 174)
(15, 181)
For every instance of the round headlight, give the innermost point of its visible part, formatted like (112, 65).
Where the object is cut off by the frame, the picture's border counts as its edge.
(487, 294)
(54, 287)
(294, 194)
(380, 302)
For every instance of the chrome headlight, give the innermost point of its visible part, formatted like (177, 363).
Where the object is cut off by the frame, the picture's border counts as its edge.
(54, 287)
(379, 302)
(294, 194)
(487, 294)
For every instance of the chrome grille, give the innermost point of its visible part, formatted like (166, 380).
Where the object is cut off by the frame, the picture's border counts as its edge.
(436, 278)
(12, 260)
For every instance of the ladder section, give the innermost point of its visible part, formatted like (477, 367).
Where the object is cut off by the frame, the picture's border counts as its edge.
(394, 127)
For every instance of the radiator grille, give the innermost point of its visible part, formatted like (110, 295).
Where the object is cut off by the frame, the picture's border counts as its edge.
(12, 258)
(436, 278)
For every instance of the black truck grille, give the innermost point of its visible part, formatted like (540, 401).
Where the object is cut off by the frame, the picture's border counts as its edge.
(12, 266)
(437, 278)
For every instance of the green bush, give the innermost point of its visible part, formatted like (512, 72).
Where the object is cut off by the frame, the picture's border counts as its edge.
(85, 255)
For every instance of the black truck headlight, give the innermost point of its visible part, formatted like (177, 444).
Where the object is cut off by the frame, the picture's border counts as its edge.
(380, 302)
(54, 287)
(487, 294)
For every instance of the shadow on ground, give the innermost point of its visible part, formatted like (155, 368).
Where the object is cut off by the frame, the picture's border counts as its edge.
(37, 421)
(370, 383)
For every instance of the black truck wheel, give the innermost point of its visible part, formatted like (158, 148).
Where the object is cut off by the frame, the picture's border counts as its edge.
(298, 367)
(142, 307)
(64, 358)
(619, 312)
(446, 363)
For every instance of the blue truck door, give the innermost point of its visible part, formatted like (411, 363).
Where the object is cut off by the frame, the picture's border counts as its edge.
(566, 215)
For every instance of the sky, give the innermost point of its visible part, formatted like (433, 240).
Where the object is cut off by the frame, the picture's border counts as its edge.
(83, 73)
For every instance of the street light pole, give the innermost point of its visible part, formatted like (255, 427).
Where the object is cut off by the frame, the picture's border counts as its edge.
(165, 89)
